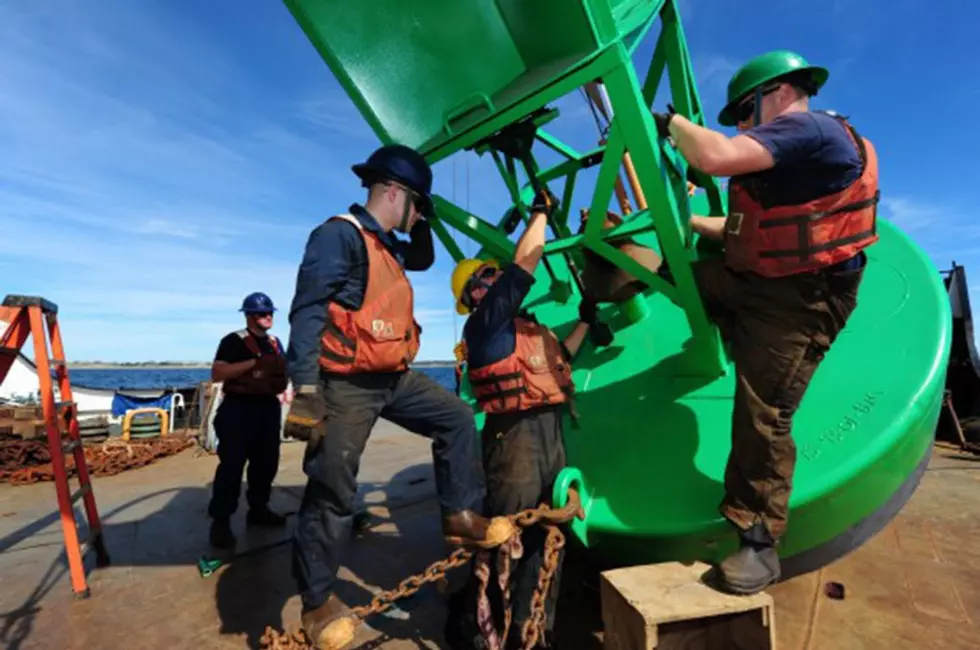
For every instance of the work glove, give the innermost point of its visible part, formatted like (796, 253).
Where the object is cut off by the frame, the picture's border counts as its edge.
(599, 333)
(662, 121)
(587, 312)
(307, 417)
(544, 201)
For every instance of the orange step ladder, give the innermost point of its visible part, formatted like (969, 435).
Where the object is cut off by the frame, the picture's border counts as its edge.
(26, 316)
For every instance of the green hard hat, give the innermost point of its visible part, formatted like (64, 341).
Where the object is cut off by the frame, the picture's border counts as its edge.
(763, 68)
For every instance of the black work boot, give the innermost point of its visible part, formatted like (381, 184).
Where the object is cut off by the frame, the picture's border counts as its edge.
(221, 535)
(264, 517)
(362, 521)
(754, 566)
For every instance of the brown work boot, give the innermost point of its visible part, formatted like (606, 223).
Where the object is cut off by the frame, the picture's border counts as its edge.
(467, 528)
(318, 628)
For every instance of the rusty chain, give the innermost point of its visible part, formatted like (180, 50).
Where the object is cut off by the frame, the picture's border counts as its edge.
(29, 461)
(533, 627)
(434, 572)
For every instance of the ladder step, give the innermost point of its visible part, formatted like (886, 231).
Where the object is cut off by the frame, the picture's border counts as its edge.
(70, 446)
(14, 300)
(80, 492)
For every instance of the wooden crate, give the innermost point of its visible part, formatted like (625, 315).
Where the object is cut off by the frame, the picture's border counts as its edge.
(8, 413)
(668, 607)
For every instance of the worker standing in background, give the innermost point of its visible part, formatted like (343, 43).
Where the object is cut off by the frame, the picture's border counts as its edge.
(353, 335)
(251, 366)
(520, 375)
(802, 209)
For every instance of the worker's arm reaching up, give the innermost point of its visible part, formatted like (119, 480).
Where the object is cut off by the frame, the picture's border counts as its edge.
(530, 247)
(713, 152)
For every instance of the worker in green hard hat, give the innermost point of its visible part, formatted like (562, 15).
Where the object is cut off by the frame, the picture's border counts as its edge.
(802, 202)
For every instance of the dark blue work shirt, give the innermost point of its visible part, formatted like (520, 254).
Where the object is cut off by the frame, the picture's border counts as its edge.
(814, 156)
(334, 268)
(489, 332)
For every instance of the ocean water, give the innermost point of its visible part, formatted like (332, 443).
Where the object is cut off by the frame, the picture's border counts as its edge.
(116, 378)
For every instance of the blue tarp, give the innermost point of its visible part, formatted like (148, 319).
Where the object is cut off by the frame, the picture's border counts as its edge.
(123, 403)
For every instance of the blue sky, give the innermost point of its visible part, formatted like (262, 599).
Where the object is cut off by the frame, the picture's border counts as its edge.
(163, 158)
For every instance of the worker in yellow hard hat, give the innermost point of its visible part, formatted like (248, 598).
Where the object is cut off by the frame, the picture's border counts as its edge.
(465, 271)
(801, 200)
(521, 378)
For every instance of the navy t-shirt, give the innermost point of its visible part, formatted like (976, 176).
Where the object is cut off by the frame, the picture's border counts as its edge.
(814, 157)
(489, 332)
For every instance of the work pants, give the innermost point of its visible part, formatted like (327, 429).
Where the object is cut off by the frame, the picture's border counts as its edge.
(779, 330)
(354, 404)
(523, 453)
(247, 428)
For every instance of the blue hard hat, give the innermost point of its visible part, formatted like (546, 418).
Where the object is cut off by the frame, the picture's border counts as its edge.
(257, 302)
(401, 164)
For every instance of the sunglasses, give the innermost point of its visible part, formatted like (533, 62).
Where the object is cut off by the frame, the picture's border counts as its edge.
(262, 314)
(745, 110)
(483, 273)
(414, 197)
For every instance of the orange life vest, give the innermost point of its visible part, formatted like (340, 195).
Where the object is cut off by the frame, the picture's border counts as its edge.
(264, 380)
(381, 336)
(789, 239)
(534, 374)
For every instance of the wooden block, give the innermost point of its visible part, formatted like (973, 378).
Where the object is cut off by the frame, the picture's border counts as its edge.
(668, 607)
(21, 413)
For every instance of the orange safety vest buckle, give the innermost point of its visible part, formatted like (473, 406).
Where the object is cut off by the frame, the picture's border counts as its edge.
(381, 336)
(789, 239)
(535, 374)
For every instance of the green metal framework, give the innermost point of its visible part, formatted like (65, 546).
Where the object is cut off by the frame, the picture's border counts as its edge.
(661, 172)
(618, 27)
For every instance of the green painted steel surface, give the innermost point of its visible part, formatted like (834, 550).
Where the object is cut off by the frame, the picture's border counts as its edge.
(444, 65)
(653, 443)
(656, 404)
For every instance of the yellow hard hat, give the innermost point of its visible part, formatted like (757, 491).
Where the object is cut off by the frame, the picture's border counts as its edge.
(461, 275)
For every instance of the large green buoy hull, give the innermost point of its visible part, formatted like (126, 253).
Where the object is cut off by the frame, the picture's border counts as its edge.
(651, 449)
(655, 406)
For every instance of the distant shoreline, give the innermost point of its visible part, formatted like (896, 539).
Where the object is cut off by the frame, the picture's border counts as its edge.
(138, 366)
(92, 365)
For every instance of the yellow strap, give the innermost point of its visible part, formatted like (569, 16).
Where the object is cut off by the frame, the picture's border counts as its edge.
(303, 421)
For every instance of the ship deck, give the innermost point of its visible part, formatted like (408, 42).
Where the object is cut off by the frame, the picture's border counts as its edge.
(914, 585)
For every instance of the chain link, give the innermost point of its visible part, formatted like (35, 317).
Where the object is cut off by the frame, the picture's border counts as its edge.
(29, 461)
(533, 627)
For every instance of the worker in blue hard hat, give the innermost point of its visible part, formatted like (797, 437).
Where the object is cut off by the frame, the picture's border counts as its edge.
(250, 364)
(353, 337)
(801, 212)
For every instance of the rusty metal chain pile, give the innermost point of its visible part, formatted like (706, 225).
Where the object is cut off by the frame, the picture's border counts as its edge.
(29, 461)
(296, 639)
